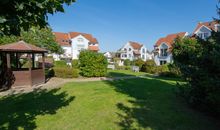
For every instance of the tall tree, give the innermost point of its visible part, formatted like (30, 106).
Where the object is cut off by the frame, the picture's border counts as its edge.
(16, 15)
(43, 38)
(198, 61)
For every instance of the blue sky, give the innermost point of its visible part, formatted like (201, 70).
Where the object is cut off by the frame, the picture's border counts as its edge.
(114, 22)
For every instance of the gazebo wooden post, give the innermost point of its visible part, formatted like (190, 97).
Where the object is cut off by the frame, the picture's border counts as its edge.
(8, 60)
(43, 64)
(30, 68)
(17, 60)
(33, 58)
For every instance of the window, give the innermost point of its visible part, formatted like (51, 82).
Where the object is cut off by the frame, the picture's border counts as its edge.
(162, 62)
(125, 55)
(163, 52)
(80, 47)
(125, 49)
(203, 35)
(129, 49)
(143, 57)
(80, 40)
(206, 35)
(129, 55)
(143, 50)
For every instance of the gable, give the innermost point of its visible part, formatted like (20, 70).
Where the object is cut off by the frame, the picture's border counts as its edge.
(203, 29)
(75, 39)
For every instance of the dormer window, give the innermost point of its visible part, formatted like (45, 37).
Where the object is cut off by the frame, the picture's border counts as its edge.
(163, 50)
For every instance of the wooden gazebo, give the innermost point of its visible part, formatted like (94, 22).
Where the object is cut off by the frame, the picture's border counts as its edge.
(19, 65)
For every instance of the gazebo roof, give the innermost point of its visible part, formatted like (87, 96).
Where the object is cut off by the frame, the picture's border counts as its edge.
(21, 46)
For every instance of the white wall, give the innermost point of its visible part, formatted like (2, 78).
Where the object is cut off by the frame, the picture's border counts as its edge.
(83, 44)
(158, 58)
(129, 54)
(168, 59)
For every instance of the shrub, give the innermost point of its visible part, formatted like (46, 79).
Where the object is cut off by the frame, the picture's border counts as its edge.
(138, 62)
(127, 62)
(92, 64)
(174, 70)
(127, 67)
(60, 63)
(162, 69)
(149, 67)
(65, 72)
(75, 63)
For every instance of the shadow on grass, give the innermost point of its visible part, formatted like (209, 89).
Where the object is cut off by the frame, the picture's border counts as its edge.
(153, 105)
(19, 111)
(116, 74)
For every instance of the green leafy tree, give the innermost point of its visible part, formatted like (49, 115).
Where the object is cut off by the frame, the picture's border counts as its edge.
(43, 38)
(16, 15)
(198, 61)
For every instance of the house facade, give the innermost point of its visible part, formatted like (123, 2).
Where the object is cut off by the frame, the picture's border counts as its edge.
(204, 29)
(109, 56)
(74, 42)
(133, 51)
(163, 47)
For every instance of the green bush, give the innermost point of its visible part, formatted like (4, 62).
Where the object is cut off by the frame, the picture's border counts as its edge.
(149, 67)
(127, 67)
(92, 64)
(138, 62)
(75, 63)
(162, 69)
(127, 62)
(60, 63)
(65, 72)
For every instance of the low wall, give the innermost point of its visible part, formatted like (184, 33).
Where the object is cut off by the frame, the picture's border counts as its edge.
(25, 78)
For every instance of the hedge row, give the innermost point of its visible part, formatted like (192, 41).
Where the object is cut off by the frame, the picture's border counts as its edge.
(65, 72)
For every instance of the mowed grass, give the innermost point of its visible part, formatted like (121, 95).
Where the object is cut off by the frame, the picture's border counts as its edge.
(143, 103)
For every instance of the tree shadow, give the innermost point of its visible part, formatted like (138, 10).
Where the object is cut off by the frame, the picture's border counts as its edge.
(153, 104)
(116, 74)
(20, 111)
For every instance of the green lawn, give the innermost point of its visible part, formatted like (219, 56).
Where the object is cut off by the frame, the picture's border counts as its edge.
(146, 103)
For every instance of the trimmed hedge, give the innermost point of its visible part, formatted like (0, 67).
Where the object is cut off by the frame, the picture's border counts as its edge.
(92, 64)
(60, 63)
(65, 72)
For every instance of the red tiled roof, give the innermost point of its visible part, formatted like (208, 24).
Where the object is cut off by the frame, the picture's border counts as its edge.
(210, 25)
(21, 46)
(94, 48)
(136, 45)
(169, 39)
(87, 36)
(62, 38)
